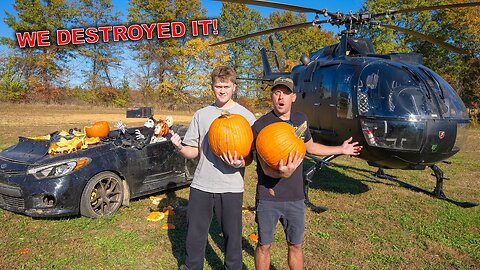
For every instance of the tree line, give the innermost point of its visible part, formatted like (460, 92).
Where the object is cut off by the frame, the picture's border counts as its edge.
(175, 71)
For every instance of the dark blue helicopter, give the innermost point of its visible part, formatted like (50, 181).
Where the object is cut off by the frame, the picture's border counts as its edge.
(404, 114)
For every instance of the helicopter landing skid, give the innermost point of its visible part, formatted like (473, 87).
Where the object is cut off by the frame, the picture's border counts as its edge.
(437, 192)
(307, 180)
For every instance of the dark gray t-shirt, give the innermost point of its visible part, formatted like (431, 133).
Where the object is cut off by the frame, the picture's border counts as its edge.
(280, 189)
(212, 174)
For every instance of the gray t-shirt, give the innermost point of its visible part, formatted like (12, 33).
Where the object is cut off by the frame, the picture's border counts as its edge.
(212, 174)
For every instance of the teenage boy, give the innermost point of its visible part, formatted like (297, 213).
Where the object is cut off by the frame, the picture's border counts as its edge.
(280, 193)
(217, 186)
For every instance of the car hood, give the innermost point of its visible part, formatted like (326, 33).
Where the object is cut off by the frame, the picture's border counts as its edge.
(27, 152)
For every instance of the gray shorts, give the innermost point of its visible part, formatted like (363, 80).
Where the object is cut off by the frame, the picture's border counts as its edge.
(291, 215)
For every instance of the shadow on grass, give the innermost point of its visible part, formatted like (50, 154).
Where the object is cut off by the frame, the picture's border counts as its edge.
(178, 236)
(328, 179)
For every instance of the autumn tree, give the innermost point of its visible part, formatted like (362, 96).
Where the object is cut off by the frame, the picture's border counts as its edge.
(12, 84)
(102, 57)
(41, 67)
(155, 58)
(292, 44)
(237, 20)
(190, 76)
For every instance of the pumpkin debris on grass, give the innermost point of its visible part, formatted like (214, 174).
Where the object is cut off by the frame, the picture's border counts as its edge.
(253, 237)
(155, 200)
(230, 132)
(155, 216)
(167, 208)
(169, 212)
(168, 226)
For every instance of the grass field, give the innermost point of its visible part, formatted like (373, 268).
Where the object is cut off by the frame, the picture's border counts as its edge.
(371, 223)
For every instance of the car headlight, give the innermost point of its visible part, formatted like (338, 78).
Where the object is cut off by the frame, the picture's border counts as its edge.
(58, 169)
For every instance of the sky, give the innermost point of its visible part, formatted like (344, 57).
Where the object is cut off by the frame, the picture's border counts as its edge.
(213, 10)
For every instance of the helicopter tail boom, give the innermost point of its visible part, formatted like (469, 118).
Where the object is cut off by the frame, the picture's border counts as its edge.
(268, 75)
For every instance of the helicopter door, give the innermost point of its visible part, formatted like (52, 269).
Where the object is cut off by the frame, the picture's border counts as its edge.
(324, 102)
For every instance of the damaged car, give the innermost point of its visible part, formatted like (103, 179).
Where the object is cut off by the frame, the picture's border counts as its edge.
(93, 182)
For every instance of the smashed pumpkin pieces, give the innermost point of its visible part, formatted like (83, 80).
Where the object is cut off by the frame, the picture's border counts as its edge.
(168, 226)
(69, 146)
(65, 146)
(253, 237)
(168, 211)
(155, 216)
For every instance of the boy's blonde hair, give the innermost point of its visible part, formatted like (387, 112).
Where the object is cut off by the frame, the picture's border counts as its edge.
(224, 73)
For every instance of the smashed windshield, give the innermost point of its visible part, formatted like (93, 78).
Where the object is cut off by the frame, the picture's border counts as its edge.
(394, 91)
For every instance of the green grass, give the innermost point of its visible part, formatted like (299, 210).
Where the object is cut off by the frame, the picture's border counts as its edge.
(371, 224)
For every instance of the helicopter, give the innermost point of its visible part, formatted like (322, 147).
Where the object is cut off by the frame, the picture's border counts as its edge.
(404, 114)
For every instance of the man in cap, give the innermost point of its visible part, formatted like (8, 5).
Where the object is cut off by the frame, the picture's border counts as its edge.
(280, 194)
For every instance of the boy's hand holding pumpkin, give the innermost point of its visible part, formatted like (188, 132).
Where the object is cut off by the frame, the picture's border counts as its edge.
(234, 161)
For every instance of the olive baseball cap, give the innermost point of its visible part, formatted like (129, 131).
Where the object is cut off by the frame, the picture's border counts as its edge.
(287, 82)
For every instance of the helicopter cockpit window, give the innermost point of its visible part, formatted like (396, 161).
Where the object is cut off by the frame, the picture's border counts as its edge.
(450, 103)
(391, 91)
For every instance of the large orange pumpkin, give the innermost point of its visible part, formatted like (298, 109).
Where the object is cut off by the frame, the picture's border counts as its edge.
(230, 132)
(277, 140)
(99, 129)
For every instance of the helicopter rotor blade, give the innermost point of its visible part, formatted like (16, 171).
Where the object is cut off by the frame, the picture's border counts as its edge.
(460, 5)
(426, 38)
(275, 5)
(273, 30)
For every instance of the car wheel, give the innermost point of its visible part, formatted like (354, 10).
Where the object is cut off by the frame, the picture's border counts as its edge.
(102, 195)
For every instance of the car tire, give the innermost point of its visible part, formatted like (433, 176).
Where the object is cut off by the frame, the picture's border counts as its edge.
(102, 196)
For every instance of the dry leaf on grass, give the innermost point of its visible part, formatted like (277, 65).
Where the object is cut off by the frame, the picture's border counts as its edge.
(22, 251)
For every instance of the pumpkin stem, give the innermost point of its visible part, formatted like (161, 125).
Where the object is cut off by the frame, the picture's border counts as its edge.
(301, 129)
(225, 113)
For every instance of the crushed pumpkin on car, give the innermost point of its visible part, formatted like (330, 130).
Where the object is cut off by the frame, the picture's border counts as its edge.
(94, 181)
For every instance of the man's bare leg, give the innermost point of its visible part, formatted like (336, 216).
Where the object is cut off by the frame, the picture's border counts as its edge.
(295, 257)
(262, 257)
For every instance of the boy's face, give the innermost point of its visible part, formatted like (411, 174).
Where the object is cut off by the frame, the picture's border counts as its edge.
(282, 99)
(223, 90)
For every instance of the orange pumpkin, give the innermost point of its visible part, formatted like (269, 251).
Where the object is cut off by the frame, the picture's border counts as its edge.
(277, 140)
(230, 132)
(99, 129)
